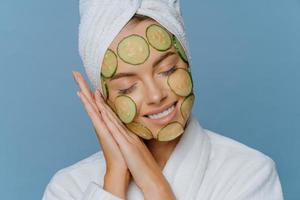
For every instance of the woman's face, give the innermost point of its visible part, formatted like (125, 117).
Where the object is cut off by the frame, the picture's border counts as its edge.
(148, 83)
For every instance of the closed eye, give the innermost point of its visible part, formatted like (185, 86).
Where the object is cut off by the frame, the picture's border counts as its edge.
(127, 90)
(131, 88)
(170, 71)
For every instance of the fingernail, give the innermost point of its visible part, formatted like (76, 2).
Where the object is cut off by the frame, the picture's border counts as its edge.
(74, 76)
(78, 93)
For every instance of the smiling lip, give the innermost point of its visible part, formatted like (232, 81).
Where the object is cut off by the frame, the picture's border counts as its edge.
(164, 119)
(159, 110)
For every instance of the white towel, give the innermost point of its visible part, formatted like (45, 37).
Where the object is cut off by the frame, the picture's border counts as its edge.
(102, 20)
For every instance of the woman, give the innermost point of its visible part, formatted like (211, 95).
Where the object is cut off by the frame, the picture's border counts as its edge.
(152, 147)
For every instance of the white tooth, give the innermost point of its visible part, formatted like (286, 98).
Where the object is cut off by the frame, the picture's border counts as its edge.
(162, 114)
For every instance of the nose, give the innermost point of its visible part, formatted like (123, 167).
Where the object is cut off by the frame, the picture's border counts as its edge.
(155, 92)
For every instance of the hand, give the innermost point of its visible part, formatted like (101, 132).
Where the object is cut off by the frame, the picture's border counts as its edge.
(115, 163)
(138, 158)
(142, 165)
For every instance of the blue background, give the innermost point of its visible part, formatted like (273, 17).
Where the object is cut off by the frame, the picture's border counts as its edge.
(246, 59)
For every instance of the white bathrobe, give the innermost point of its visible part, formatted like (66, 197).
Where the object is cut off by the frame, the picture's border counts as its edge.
(204, 166)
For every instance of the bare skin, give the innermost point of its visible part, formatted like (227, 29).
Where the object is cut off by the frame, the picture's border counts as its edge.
(157, 92)
(161, 151)
(129, 157)
(122, 148)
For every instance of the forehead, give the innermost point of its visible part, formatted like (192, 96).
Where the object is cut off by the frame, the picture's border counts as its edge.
(138, 27)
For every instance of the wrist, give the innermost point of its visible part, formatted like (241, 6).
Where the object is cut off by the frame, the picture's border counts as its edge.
(116, 182)
(118, 173)
(159, 190)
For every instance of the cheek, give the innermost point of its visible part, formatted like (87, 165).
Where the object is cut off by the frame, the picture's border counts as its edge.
(181, 82)
(128, 107)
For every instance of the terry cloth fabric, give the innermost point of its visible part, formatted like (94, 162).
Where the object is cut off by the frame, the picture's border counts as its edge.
(203, 165)
(102, 20)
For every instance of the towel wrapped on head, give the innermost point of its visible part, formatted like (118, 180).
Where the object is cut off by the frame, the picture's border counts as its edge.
(102, 20)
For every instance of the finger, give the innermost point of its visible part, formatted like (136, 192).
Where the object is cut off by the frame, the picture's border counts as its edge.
(84, 88)
(103, 106)
(117, 131)
(95, 117)
(83, 85)
(110, 114)
(113, 116)
(106, 139)
(116, 126)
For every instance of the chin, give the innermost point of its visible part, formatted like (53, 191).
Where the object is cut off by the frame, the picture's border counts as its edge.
(166, 128)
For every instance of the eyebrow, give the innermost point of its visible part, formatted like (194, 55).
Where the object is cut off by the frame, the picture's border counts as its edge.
(155, 64)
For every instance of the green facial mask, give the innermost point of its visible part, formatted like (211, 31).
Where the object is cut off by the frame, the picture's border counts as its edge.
(134, 49)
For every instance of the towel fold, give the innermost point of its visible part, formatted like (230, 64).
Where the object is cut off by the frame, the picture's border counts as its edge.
(102, 20)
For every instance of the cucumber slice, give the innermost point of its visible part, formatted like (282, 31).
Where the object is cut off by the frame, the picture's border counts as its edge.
(187, 105)
(180, 82)
(158, 37)
(180, 49)
(170, 131)
(133, 49)
(110, 64)
(126, 108)
(140, 130)
(104, 87)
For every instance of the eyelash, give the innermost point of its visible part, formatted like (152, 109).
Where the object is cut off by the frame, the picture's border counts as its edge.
(170, 71)
(131, 88)
(127, 90)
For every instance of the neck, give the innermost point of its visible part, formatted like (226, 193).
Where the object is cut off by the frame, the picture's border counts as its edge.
(161, 151)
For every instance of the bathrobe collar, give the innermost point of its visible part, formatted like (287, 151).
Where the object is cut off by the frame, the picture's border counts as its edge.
(186, 166)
